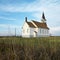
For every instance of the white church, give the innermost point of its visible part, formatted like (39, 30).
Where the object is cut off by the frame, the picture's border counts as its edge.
(35, 28)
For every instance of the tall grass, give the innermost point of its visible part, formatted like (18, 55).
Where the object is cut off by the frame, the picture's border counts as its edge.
(17, 48)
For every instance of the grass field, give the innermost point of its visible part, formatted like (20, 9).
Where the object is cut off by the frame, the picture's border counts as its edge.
(17, 48)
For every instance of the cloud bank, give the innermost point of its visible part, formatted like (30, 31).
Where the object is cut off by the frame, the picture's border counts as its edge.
(50, 7)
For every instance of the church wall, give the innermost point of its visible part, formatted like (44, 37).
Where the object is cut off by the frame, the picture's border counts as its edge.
(25, 30)
(43, 32)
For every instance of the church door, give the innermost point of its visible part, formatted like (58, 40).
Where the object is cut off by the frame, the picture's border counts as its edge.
(35, 34)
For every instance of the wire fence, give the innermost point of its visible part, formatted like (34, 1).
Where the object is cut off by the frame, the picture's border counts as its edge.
(10, 31)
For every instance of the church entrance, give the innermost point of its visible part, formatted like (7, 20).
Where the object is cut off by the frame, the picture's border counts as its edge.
(35, 34)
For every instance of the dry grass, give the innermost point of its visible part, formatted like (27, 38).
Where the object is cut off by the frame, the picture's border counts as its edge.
(17, 48)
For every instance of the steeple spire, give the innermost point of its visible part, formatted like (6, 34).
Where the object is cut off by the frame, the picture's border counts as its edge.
(43, 18)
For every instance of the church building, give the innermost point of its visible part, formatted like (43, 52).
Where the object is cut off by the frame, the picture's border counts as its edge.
(35, 28)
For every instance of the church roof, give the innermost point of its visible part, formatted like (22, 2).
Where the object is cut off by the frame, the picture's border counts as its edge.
(38, 24)
(30, 24)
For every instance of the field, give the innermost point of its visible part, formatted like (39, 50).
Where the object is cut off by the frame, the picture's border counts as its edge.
(17, 48)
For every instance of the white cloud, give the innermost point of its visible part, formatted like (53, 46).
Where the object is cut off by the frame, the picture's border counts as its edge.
(36, 6)
(51, 8)
(9, 30)
(55, 30)
(6, 18)
(9, 25)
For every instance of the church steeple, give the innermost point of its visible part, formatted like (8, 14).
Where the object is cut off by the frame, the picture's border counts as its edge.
(43, 18)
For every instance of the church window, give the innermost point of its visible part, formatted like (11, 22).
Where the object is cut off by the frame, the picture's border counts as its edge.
(47, 31)
(43, 31)
(40, 30)
(27, 30)
(23, 31)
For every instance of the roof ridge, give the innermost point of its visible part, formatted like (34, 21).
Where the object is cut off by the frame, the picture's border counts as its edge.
(35, 21)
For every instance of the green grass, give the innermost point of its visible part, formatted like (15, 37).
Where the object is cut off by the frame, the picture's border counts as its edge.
(17, 48)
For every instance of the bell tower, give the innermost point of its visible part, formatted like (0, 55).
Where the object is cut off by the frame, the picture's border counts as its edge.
(43, 20)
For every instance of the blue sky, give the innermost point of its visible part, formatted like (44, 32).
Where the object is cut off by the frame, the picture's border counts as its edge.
(13, 12)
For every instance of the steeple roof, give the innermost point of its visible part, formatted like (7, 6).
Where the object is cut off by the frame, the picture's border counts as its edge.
(43, 16)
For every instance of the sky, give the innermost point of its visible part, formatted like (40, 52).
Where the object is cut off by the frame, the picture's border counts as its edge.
(13, 13)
